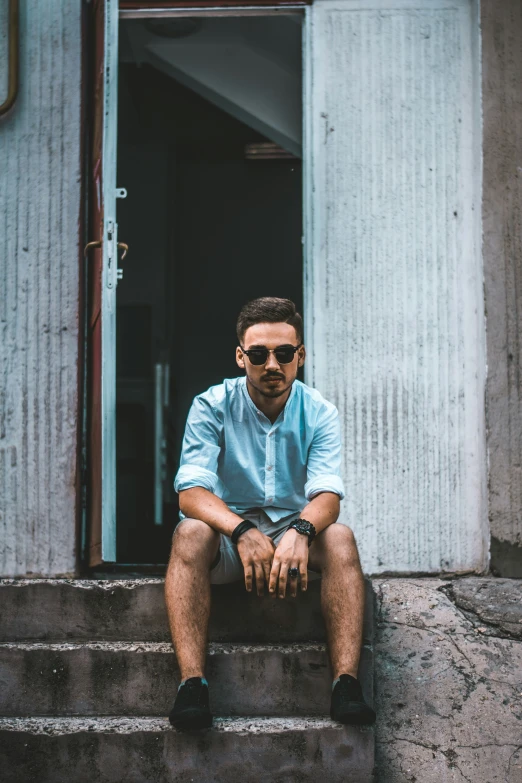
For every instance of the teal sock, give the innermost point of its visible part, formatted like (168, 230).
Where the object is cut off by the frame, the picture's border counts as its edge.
(203, 681)
(334, 683)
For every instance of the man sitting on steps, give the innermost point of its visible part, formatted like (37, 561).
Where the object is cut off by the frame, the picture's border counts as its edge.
(259, 492)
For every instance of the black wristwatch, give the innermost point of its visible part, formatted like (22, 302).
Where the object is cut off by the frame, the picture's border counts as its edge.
(305, 528)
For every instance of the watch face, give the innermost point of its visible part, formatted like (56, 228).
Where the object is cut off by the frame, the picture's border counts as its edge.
(303, 527)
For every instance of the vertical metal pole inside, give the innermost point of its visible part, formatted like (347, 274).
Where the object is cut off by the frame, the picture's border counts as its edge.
(308, 271)
(158, 443)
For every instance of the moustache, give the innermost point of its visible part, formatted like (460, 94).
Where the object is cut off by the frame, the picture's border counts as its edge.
(273, 376)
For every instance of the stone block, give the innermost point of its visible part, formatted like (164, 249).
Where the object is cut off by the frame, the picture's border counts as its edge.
(134, 610)
(141, 750)
(118, 678)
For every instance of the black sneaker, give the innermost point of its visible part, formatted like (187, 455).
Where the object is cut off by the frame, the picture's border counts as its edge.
(191, 710)
(348, 705)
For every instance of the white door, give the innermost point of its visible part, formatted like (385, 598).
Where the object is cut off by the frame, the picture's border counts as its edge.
(102, 255)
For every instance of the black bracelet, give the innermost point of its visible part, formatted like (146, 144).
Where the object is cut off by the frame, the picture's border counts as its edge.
(240, 529)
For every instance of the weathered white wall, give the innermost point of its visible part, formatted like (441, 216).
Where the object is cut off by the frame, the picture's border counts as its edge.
(39, 220)
(394, 274)
(502, 216)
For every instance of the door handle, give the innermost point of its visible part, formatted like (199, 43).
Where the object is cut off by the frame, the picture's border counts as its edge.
(91, 246)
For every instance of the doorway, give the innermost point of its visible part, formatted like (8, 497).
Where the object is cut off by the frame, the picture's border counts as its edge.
(209, 151)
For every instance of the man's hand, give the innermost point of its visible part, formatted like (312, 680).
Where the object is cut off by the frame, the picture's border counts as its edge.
(256, 552)
(291, 552)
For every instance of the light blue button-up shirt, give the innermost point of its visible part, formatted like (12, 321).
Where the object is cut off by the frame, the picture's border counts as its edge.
(232, 449)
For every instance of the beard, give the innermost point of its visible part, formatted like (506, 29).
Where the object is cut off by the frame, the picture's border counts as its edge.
(273, 393)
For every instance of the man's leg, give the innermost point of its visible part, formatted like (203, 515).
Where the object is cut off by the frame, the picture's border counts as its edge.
(187, 593)
(334, 554)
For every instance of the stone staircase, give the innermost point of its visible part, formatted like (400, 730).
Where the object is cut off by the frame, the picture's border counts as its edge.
(87, 676)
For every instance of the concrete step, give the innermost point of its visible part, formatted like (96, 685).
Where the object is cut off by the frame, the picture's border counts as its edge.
(134, 609)
(142, 750)
(121, 678)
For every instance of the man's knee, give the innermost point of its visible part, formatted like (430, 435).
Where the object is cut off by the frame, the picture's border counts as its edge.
(194, 541)
(337, 544)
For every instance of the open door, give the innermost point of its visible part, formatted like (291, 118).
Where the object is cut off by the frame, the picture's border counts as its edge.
(199, 150)
(102, 255)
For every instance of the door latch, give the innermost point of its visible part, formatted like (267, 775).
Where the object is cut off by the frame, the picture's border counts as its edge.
(125, 248)
(120, 245)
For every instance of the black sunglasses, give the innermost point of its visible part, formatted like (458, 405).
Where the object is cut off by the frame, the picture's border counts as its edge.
(284, 354)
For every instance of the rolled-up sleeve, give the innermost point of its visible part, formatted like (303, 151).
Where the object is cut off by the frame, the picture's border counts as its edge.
(201, 448)
(324, 457)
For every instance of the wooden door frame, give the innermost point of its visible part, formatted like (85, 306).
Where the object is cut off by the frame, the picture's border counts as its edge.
(128, 8)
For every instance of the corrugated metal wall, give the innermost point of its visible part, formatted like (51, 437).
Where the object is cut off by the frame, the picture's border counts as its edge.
(395, 301)
(39, 221)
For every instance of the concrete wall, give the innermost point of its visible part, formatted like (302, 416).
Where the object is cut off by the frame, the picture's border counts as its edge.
(394, 274)
(502, 221)
(39, 289)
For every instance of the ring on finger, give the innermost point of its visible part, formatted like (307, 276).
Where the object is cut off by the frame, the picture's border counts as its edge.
(293, 573)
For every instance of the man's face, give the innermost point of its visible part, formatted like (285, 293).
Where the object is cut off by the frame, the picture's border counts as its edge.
(270, 379)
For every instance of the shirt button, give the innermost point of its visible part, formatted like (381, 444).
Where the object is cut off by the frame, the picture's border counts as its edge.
(269, 467)
(269, 500)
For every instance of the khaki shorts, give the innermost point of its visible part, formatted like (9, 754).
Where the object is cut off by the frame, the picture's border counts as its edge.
(228, 566)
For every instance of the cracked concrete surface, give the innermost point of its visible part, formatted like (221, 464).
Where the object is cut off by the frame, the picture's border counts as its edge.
(448, 692)
(495, 603)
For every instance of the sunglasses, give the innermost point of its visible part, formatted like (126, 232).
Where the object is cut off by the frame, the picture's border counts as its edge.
(284, 354)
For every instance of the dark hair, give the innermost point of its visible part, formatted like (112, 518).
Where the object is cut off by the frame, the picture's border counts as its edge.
(269, 309)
